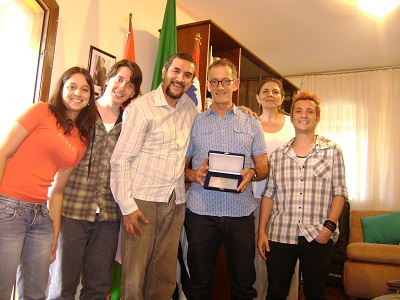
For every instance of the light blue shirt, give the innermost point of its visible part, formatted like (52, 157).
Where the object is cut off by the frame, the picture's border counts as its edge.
(236, 132)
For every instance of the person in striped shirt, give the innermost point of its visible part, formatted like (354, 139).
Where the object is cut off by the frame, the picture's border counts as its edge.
(147, 181)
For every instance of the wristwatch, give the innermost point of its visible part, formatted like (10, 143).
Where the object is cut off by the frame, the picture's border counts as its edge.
(255, 174)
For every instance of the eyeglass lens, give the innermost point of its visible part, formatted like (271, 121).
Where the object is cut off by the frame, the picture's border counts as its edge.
(225, 82)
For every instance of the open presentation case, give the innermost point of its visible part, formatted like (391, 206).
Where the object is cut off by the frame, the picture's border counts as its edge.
(224, 170)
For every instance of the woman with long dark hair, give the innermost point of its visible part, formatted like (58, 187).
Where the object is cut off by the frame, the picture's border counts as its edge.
(37, 156)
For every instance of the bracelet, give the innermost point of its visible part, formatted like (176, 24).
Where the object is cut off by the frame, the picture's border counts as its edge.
(330, 225)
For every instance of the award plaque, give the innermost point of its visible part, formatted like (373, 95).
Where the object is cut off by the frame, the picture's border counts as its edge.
(224, 170)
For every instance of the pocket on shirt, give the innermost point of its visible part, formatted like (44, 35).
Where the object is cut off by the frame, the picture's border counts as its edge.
(244, 135)
(322, 168)
(204, 131)
(200, 136)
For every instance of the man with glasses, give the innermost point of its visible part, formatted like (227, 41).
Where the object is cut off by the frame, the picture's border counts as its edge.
(215, 217)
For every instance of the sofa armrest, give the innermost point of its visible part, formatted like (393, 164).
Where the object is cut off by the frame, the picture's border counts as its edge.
(376, 253)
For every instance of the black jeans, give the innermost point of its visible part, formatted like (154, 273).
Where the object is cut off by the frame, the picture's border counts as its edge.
(314, 259)
(205, 235)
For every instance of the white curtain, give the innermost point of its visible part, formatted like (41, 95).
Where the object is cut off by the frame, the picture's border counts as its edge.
(361, 113)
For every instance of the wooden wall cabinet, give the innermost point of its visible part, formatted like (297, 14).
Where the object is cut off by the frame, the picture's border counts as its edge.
(223, 45)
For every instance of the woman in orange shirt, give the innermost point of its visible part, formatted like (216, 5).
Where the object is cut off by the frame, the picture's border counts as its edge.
(37, 157)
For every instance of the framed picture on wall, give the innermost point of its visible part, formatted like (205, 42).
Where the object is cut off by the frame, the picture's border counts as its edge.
(99, 64)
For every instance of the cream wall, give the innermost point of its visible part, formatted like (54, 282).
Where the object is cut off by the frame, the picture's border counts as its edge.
(101, 23)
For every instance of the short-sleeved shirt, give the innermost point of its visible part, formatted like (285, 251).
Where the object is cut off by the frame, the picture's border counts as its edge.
(46, 150)
(303, 194)
(236, 132)
(89, 185)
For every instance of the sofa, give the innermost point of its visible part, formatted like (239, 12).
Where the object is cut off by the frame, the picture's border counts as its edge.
(370, 264)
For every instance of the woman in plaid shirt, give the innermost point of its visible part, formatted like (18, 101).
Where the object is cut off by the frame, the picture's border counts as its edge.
(91, 217)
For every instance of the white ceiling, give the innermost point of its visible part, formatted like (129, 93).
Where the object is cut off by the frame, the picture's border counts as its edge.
(306, 36)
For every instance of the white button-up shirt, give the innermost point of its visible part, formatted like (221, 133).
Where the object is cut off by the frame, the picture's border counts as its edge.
(149, 158)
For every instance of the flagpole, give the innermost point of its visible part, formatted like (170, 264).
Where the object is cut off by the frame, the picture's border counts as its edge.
(130, 44)
(197, 38)
(194, 91)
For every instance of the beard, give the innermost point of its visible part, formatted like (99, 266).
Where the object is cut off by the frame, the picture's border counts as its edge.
(171, 94)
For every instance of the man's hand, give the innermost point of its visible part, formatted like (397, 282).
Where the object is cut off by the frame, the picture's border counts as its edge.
(197, 175)
(247, 176)
(324, 235)
(131, 223)
(262, 244)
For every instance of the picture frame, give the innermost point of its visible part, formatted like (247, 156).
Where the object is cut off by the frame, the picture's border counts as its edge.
(99, 64)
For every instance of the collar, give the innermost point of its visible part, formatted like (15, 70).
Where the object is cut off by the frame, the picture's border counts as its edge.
(233, 110)
(119, 119)
(319, 145)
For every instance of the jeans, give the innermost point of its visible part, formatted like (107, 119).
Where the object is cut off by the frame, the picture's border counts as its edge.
(314, 260)
(85, 249)
(149, 262)
(205, 235)
(26, 237)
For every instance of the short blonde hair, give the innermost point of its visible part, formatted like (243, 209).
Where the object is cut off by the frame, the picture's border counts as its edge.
(305, 95)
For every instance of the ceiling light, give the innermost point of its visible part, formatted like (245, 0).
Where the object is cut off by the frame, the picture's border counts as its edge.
(378, 8)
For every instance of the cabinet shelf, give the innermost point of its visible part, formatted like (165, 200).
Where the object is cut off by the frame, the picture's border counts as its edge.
(223, 45)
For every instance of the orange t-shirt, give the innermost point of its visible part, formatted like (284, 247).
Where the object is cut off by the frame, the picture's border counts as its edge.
(30, 171)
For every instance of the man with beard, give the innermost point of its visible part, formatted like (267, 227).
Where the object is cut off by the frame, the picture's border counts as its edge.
(147, 181)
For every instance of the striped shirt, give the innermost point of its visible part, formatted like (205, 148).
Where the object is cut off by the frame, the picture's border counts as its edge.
(84, 193)
(148, 161)
(303, 194)
(236, 132)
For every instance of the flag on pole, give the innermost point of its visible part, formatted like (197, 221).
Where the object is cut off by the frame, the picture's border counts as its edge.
(194, 90)
(167, 44)
(130, 44)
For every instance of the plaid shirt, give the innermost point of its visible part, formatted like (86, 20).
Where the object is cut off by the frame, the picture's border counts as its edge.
(84, 194)
(303, 194)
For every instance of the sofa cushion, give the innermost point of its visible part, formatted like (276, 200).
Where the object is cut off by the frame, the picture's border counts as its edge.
(374, 253)
(382, 229)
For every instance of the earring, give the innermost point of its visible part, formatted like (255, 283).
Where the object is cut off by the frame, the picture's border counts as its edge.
(259, 105)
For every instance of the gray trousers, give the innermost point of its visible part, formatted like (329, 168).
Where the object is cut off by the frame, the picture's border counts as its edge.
(149, 262)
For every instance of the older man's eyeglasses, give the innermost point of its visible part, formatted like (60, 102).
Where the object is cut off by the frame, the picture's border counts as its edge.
(224, 82)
